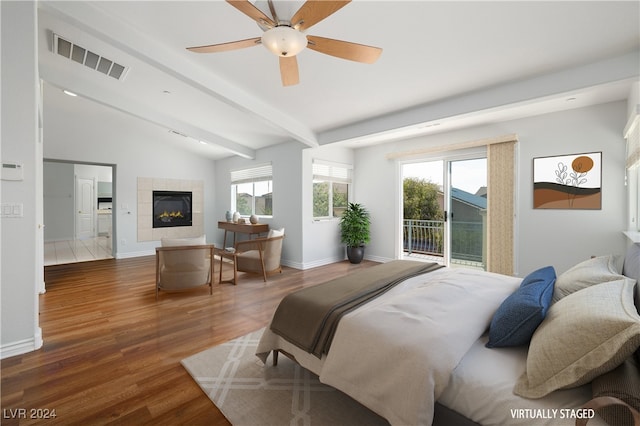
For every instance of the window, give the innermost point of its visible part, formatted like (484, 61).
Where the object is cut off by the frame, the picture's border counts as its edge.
(331, 186)
(252, 191)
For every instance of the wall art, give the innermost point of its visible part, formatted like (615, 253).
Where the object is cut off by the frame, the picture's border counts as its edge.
(568, 182)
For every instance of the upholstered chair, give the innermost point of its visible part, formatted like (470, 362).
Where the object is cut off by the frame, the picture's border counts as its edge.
(258, 256)
(183, 264)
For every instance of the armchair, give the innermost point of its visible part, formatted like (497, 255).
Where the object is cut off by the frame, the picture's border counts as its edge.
(258, 256)
(183, 264)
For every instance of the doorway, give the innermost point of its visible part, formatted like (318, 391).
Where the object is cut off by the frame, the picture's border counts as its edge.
(444, 210)
(77, 212)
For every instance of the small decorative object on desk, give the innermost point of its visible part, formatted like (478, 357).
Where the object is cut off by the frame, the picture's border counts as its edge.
(236, 216)
(241, 221)
(228, 216)
(253, 219)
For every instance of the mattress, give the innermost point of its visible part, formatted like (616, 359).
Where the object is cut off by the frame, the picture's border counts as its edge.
(481, 389)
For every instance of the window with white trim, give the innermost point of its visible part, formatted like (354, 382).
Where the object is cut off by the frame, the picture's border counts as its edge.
(252, 190)
(331, 189)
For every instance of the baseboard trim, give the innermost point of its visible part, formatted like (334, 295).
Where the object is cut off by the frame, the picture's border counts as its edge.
(314, 264)
(22, 346)
(132, 254)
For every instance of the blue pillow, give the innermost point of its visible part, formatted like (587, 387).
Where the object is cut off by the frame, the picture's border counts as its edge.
(520, 314)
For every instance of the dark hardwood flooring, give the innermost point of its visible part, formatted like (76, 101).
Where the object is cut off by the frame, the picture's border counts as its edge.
(112, 353)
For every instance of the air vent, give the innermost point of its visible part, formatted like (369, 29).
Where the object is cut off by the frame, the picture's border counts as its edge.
(88, 58)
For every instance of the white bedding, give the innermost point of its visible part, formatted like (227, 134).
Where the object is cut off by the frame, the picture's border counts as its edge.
(389, 355)
(481, 389)
(401, 378)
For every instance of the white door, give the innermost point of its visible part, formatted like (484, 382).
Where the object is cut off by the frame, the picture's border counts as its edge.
(84, 208)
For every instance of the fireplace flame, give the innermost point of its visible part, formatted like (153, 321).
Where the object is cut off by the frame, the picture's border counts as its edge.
(168, 216)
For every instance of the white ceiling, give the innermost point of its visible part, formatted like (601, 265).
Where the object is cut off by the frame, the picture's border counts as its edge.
(451, 64)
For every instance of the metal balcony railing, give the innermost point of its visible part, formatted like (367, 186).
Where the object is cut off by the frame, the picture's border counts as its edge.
(427, 237)
(423, 236)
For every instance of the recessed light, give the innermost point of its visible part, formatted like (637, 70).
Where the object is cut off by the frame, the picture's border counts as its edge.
(571, 99)
(175, 132)
(203, 143)
(66, 92)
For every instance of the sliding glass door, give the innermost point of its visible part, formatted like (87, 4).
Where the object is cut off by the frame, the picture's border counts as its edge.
(444, 210)
(467, 212)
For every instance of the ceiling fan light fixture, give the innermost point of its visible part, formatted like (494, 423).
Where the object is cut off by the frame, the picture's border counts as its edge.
(284, 41)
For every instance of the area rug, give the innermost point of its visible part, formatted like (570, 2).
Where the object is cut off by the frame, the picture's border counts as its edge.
(251, 393)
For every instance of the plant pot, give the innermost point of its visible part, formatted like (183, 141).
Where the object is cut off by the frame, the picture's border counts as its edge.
(355, 254)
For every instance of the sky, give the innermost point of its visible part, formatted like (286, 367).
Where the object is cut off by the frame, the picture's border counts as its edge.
(468, 175)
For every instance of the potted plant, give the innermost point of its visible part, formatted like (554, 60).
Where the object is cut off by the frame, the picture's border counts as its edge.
(354, 230)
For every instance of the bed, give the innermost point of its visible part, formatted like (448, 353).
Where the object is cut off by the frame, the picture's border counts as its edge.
(411, 355)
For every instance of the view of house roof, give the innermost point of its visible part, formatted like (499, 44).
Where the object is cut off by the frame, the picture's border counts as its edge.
(468, 198)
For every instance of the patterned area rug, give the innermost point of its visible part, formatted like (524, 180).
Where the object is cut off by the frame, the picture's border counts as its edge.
(250, 393)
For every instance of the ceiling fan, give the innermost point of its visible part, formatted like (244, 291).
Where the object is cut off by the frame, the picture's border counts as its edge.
(287, 38)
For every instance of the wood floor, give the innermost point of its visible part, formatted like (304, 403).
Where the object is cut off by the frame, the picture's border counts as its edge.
(112, 354)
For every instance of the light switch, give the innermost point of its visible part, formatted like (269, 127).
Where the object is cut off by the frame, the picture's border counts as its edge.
(12, 210)
(17, 210)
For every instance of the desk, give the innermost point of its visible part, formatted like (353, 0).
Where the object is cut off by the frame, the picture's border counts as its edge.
(243, 228)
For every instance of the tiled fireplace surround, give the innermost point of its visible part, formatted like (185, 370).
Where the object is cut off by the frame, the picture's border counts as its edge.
(146, 186)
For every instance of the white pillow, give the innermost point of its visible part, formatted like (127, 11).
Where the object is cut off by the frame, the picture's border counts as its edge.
(584, 274)
(174, 242)
(275, 232)
(584, 335)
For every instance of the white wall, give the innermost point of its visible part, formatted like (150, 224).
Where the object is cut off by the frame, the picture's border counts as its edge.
(91, 171)
(633, 175)
(58, 201)
(137, 149)
(544, 237)
(21, 237)
(308, 243)
(287, 189)
(321, 239)
(559, 237)
(633, 102)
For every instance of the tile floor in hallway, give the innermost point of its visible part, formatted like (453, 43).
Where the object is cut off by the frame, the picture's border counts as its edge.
(71, 251)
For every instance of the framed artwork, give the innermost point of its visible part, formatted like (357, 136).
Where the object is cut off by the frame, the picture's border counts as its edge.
(568, 182)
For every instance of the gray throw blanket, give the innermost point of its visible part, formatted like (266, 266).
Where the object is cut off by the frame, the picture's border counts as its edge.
(308, 318)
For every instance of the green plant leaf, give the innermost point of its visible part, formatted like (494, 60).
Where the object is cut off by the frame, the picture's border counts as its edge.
(355, 225)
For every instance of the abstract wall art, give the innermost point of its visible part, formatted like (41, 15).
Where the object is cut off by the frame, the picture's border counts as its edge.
(568, 182)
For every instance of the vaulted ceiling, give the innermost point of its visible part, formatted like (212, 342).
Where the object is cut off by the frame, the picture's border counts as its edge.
(444, 65)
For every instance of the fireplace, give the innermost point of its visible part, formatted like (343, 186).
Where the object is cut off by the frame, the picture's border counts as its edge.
(171, 208)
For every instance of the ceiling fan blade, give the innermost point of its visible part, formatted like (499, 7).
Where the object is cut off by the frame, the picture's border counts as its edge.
(314, 11)
(344, 49)
(223, 47)
(252, 12)
(289, 70)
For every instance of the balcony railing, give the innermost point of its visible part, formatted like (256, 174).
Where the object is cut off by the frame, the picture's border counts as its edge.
(427, 237)
(424, 236)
